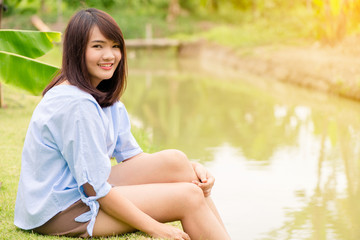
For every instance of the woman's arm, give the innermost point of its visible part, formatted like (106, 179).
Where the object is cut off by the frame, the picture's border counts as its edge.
(117, 206)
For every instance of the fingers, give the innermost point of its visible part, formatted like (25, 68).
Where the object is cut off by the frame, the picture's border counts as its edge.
(171, 232)
(206, 187)
(210, 180)
(201, 172)
(185, 236)
(205, 179)
(203, 176)
(181, 235)
(209, 183)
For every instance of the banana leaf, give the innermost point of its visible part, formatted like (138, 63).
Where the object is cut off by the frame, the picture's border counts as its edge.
(32, 44)
(25, 73)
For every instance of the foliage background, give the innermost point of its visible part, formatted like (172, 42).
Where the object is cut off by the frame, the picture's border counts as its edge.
(245, 22)
(233, 23)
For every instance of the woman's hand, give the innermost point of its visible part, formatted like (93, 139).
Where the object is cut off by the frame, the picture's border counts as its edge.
(169, 232)
(205, 179)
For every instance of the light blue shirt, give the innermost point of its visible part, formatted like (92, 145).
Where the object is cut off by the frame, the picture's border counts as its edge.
(69, 142)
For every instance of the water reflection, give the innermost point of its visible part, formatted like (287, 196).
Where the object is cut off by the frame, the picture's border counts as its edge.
(286, 160)
(197, 113)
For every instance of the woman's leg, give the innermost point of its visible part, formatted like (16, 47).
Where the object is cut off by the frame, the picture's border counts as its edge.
(166, 202)
(161, 167)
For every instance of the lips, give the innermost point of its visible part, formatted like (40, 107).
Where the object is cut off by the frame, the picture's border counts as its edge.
(106, 66)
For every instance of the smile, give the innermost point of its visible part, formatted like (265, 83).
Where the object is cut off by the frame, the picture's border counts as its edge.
(106, 66)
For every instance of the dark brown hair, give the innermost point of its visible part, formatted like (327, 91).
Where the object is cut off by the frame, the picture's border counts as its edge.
(73, 63)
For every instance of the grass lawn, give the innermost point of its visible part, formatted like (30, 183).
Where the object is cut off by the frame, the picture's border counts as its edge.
(14, 121)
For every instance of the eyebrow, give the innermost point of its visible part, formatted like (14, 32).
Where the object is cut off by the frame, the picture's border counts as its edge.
(98, 41)
(102, 41)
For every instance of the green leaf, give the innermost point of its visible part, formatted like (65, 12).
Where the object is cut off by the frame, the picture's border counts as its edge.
(31, 44)
(25, 73)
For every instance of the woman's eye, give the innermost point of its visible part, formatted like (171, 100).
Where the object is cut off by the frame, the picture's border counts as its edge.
(116, 46)
(97, 46)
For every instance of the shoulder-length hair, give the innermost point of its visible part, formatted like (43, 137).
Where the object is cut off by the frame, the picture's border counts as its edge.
(73, 62)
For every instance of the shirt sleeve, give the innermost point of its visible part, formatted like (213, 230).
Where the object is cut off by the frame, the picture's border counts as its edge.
(126, 145)
(84, 149)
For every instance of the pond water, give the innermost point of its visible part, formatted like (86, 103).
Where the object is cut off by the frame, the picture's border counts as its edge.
(286, 160)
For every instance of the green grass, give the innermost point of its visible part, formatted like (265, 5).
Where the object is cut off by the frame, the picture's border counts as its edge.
(14, 119)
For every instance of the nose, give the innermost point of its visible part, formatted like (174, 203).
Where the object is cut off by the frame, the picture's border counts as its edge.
(108, 53)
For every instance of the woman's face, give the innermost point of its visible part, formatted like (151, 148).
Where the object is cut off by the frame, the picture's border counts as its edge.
(102, 56)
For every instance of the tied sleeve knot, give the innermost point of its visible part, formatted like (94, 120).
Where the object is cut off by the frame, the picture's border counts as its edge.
(90, 215)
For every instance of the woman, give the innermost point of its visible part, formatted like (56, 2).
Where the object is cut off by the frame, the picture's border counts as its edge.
(67, 185)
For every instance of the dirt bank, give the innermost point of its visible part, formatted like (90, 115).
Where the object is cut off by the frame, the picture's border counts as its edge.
(334, 70)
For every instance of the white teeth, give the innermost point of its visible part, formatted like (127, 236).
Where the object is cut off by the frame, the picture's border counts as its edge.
(105, 65)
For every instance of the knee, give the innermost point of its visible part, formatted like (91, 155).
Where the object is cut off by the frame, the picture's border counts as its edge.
(177, 159)
(176, 165)
(177, 155)
(192, 196)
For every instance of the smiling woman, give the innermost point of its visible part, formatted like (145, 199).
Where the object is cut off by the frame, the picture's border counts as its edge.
(102, 57)
(67, 184)
(84, 27)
